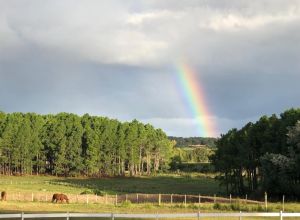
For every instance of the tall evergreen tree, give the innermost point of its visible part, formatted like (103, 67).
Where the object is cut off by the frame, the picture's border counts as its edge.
(67, 144)
(260, 156)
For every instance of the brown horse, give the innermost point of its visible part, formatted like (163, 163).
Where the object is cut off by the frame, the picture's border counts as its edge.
(59, 197)
(3, 196)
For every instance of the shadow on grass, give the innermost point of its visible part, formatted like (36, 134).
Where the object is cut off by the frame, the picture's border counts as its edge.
(148, 185)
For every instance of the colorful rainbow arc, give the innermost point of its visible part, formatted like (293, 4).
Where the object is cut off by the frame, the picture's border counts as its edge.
(194, 96)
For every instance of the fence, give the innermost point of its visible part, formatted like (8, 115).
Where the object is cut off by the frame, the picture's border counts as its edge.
(113, 216)
(133, 198)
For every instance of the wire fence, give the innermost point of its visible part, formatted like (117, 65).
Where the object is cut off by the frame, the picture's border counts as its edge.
(133, 198)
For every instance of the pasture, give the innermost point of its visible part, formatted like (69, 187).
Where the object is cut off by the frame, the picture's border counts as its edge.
(168, 184)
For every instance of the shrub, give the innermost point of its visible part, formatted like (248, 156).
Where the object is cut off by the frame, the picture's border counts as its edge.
(86, 192)
(260, 208)
(126, 203)
(99, 192)
(235, 206)
(217, 206)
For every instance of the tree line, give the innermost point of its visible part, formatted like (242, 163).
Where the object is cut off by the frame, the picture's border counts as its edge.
(192, 159)
(194, 141)
(262, 157)
(69, 145)
(194, 154)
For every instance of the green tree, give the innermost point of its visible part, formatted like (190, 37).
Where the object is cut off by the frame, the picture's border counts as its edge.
(90, 145)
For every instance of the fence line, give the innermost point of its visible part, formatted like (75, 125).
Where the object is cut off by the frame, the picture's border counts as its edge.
(133, 198)
(197, 215)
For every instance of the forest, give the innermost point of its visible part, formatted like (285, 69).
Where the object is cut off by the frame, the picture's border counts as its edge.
(262, 157)
(70, 145)
(194, 141)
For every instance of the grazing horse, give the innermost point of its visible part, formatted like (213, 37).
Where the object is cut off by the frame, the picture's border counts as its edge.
(59, 197)
(3, 196)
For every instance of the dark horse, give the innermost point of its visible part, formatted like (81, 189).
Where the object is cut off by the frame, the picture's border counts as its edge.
(3, 196)
(59, 197)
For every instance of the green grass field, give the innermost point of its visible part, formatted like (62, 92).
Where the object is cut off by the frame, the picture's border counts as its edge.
(168, 184)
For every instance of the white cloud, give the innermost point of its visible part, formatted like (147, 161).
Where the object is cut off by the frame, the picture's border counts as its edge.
(158, 16)
(231, 22)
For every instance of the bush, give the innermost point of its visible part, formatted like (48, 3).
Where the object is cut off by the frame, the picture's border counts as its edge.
(260, 208)
(126, 203)
(236, 206)
(217, 206)
(93, 192)
(223, 207)
(99, 192)
(86, 192)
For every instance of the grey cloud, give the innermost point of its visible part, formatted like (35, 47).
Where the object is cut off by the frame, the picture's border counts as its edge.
(119, 58)
(49, 84)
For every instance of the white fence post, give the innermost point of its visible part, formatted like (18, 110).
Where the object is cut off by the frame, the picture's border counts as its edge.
(283, 203)
(281, 215)
(240, 215)
(159, 199)
(266, 201)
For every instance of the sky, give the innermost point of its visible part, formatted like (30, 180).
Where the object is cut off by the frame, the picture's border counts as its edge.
(120, 59)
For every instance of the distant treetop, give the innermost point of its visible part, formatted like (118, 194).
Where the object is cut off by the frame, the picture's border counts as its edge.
(194, 141)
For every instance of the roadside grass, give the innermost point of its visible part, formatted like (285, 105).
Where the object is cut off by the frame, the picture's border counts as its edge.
(17, 206)
(44, 207)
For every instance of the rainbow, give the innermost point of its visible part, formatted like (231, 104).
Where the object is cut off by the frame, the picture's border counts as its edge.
(194, 96)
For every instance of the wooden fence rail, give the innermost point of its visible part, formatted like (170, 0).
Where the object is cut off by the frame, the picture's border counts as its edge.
(113, 216)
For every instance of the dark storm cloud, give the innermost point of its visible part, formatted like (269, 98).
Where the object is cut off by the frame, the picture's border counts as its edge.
(256, 74)
(49, 84)
(119, 58)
